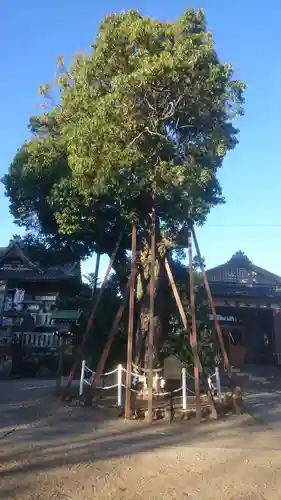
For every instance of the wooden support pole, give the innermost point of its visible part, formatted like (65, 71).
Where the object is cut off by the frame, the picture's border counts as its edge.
(96, 275)
(111, 335)
(93, 313)
(193, 337)
(131, 326)
(152, 304)
(211, 303)
(61, 361)
(184, 320)
(105, 280)
(176, 294)
(180, 306)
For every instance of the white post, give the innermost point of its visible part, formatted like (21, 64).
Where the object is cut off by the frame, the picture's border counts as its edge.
(183, 375)
(119, 386)
(218, 381)
(81, 387)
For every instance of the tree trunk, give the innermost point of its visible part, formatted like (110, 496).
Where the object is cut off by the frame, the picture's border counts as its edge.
(141, 344)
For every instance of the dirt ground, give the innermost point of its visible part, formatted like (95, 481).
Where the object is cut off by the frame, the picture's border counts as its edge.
(51, 451)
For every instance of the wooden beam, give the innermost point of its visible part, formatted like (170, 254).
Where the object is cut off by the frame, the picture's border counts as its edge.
(131, 326)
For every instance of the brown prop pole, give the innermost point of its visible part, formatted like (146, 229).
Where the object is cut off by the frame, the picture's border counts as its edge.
(152, 304)
(97, 267)
(109, 267)
(211, 303)
(92, 315)
(176, 294)
(112, 334)
(131, 326)
(193, 337)
(178, 301)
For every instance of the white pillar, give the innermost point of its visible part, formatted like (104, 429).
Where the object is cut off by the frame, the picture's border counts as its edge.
(218, 381)
(81, 387)
(119, 386)
(183, 375)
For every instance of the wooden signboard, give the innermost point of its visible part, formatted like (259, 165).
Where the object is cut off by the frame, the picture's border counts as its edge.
(172, 368)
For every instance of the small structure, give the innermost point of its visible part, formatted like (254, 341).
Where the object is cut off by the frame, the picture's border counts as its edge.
(172, 368)
(67, 324)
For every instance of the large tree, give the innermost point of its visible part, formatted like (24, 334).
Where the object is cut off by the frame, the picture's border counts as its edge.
(151, 107)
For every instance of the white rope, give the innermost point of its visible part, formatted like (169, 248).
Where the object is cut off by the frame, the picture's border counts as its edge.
(145, 370)
(177, 390)
(103, 374)
(110, 373)
(134, 373)
(189, 390)
(159, 393)
(107, 387)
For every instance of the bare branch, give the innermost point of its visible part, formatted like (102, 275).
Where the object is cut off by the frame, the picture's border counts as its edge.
(135, 139)
(155, 133)
(149, 104)
(172, 108)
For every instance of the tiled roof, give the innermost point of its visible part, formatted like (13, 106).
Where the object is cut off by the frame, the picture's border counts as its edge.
(29, 271)
(229, 272)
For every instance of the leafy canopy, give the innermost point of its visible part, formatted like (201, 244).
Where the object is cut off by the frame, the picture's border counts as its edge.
(152, 103)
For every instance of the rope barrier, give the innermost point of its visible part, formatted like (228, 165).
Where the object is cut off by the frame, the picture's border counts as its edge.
(107, 387)
(158, 382)
(110, 373)
(146, 370)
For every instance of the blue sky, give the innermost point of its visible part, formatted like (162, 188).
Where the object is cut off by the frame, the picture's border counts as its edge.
(32, 34)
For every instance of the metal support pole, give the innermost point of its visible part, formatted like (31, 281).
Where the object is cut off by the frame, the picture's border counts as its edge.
(152, 304)
(81, 386)
(183, 376)
(193, 337)
(131, 327)
(119, 386)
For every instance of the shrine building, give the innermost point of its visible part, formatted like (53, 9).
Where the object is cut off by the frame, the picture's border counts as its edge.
(248, 304)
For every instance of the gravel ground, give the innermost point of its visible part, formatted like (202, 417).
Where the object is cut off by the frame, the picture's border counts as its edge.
(58, 452)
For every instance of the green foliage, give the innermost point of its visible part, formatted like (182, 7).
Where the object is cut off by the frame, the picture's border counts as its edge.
(151, 105)
(151, 102)
(176, 340)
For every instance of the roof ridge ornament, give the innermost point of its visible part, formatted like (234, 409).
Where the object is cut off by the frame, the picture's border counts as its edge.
(241, 257)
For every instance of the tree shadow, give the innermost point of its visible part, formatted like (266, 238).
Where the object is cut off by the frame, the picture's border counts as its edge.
(52, 449)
